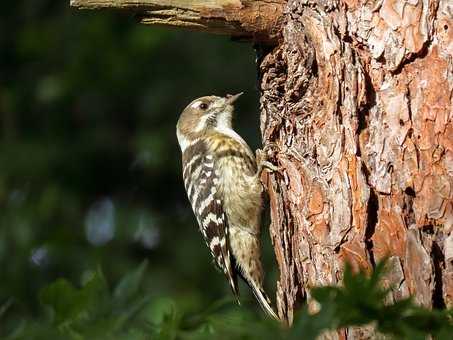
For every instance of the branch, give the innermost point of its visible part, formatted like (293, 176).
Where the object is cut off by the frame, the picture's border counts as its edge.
(258, 20)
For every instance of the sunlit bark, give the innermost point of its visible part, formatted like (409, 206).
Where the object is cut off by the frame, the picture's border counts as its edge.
(356, 100)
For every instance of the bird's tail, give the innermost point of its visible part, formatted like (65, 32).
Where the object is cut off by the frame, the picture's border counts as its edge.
(234, 287)
(264, 301)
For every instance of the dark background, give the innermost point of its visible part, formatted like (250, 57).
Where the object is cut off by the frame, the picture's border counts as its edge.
(89, 162)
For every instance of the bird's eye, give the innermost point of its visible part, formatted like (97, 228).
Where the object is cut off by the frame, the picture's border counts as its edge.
(203, 106)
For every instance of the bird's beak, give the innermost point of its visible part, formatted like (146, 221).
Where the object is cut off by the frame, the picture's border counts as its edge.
(230, 99)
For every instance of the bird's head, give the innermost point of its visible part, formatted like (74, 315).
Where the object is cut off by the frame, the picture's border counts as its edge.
(205, 114)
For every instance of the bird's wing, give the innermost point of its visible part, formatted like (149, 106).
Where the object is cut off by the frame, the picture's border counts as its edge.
(207, 205)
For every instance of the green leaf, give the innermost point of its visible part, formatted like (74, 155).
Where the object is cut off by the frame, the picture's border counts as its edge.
(312, 325)
(325, 294)
(63, 299)
(130, 284)
(130, 311)
(69, 304)
(160, 308)
(4, 308)
(168, 328)
(95, 287)
(361, 301)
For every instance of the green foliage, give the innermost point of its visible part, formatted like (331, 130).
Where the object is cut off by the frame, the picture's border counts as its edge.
(362, 300)
(90, 311)
(93, 312)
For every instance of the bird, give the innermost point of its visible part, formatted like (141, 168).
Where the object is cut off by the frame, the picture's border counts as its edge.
(222, 181)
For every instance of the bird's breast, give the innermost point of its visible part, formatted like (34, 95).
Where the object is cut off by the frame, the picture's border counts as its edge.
(241, 192)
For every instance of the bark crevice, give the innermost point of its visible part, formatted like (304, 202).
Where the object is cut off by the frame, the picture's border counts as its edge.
(439, 267)
(412, 58)
(372, 213)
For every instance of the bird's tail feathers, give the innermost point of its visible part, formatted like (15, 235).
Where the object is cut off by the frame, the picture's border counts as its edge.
(258, 292)
(234, 288)
(264, 302)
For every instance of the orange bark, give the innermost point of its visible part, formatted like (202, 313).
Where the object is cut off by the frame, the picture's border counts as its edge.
(357, 98)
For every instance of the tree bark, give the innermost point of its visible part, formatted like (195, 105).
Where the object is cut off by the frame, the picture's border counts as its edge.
(356, 109)
(356, 101)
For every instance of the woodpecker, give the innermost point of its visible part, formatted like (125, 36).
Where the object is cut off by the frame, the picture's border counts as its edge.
(221, 178)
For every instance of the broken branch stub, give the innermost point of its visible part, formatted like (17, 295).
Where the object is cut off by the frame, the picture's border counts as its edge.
(257, 20)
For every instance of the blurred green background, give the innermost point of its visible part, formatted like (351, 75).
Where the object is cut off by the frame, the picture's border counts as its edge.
(89, 162)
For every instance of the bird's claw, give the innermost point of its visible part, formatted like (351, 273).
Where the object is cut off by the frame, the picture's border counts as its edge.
(262, 156)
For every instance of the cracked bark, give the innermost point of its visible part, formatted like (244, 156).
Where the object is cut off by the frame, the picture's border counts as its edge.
(356, 101)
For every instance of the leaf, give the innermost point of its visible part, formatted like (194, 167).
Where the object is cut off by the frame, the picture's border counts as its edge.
(129, 312)
(63, 299)
(69, 303)
(4, 308)
(310, 326)
(160, 308)
(324, 294)
(95, 287)
(130, 284)
(168, 328)
(362, 300)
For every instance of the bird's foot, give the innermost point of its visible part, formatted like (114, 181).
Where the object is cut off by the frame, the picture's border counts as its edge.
(262, 156)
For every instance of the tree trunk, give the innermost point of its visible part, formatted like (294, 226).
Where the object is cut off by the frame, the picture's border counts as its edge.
(356, 106)
(356, 110)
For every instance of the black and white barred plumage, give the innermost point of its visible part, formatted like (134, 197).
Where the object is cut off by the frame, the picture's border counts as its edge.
(222, 183)
(201, 180)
